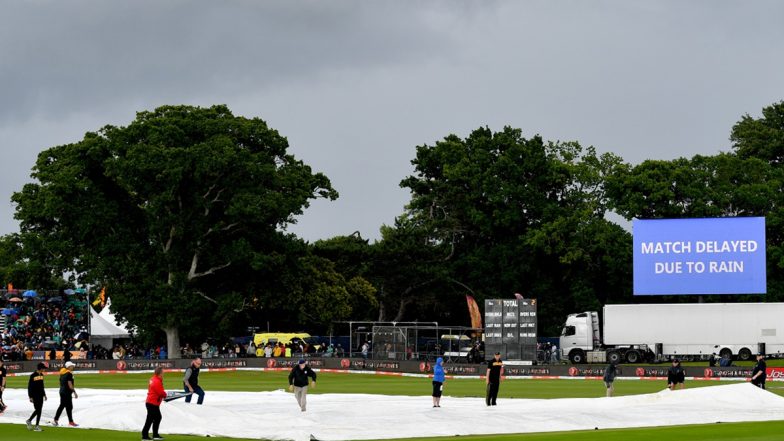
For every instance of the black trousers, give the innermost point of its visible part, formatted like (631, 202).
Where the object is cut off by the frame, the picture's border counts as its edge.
(38, 405)
(66, 403)
(154, 418)
(438, 388)
(492, 393)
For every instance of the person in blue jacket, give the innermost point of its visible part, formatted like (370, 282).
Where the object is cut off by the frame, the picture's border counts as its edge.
(439, 376)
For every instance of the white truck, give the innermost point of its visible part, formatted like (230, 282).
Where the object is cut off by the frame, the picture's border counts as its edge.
(637, 333)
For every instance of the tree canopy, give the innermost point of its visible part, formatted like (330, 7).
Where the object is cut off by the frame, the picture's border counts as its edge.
(156, 209)
(507, 214)
(182, 215)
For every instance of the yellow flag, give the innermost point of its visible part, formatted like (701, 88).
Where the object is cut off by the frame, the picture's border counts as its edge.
(101, 298)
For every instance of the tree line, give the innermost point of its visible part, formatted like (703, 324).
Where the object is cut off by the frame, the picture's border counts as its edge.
(182, 216)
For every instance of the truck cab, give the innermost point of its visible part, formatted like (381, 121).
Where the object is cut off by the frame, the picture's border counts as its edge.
(580, 334)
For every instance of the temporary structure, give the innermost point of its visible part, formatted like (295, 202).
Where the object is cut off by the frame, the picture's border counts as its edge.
(104, 327)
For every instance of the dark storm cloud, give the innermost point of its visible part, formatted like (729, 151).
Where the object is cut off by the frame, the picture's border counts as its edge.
(87, 56)
(356, 85)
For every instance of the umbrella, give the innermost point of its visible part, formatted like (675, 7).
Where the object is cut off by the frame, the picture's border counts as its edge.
(15, 299)
(55, 300)
(30, 293)
(69, 292)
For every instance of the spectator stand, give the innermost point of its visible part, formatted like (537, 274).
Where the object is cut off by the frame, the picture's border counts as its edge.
(34, 322)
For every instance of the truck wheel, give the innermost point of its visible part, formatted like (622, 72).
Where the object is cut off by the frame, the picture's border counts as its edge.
(633, 357)
(725, 353)
(744, 354)
(614, 357)
(577, 357)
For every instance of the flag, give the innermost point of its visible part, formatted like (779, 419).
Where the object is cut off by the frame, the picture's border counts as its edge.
(473, 310)
(101, 298)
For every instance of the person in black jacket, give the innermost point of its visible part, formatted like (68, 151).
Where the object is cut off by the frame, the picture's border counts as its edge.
(37, 394)
(609, 376)
(191, 381)
(759, 374)
(3, 374)
(493, 378)
(676, 376)
(66, 391)
(298, 382)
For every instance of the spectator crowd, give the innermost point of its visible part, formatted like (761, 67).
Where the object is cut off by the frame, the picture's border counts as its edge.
(31, 323)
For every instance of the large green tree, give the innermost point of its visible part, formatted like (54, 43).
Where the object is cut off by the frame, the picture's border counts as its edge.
(513, 214)
(746, 181)
(162, 209)
(24, 264)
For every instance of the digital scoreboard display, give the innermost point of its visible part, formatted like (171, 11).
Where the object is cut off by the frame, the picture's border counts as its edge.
(699, 256)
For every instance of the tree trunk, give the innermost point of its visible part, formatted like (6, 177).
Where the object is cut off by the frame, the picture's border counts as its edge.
(382, 314)
(401, 310)
(173, 341)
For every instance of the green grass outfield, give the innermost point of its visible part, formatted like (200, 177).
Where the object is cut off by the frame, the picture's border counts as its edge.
(391, 385)
(768, 431)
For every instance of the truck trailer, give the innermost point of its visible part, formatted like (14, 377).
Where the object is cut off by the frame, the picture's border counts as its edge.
(637, 333)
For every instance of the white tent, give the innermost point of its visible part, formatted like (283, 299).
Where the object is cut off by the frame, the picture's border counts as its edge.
(107, 314)
(104, 327)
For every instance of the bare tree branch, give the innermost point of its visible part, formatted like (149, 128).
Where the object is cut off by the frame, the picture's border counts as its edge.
(462, 284)
(226, 228)
(168, 245)
(206, 297)
(192, 274)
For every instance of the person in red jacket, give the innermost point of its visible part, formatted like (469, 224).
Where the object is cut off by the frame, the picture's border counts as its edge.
(155, 396)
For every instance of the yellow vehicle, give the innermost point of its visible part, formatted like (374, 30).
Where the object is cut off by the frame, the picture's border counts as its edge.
(260, 340)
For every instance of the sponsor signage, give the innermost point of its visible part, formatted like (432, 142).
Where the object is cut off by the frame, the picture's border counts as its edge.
(649, 372)
(407, 366)
(774, 373)
(225, 363)
(727, 372)
(699, 256)
(526, 370)
(13, 366)
(291, 362)
(585, 371)
(372, 365)
(460, 369)
(138, 365)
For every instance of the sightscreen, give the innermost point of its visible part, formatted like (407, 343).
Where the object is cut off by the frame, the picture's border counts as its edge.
(699, 256)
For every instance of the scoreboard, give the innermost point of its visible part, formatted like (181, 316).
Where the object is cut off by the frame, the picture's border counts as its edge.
(510, 328)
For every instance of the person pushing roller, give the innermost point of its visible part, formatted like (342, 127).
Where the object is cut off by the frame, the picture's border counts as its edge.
(191, 381)
(155, 396)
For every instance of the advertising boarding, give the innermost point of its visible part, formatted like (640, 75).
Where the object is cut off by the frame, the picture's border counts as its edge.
(699, 256)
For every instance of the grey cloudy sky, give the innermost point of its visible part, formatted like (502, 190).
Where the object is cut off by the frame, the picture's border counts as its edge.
(356, 85)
